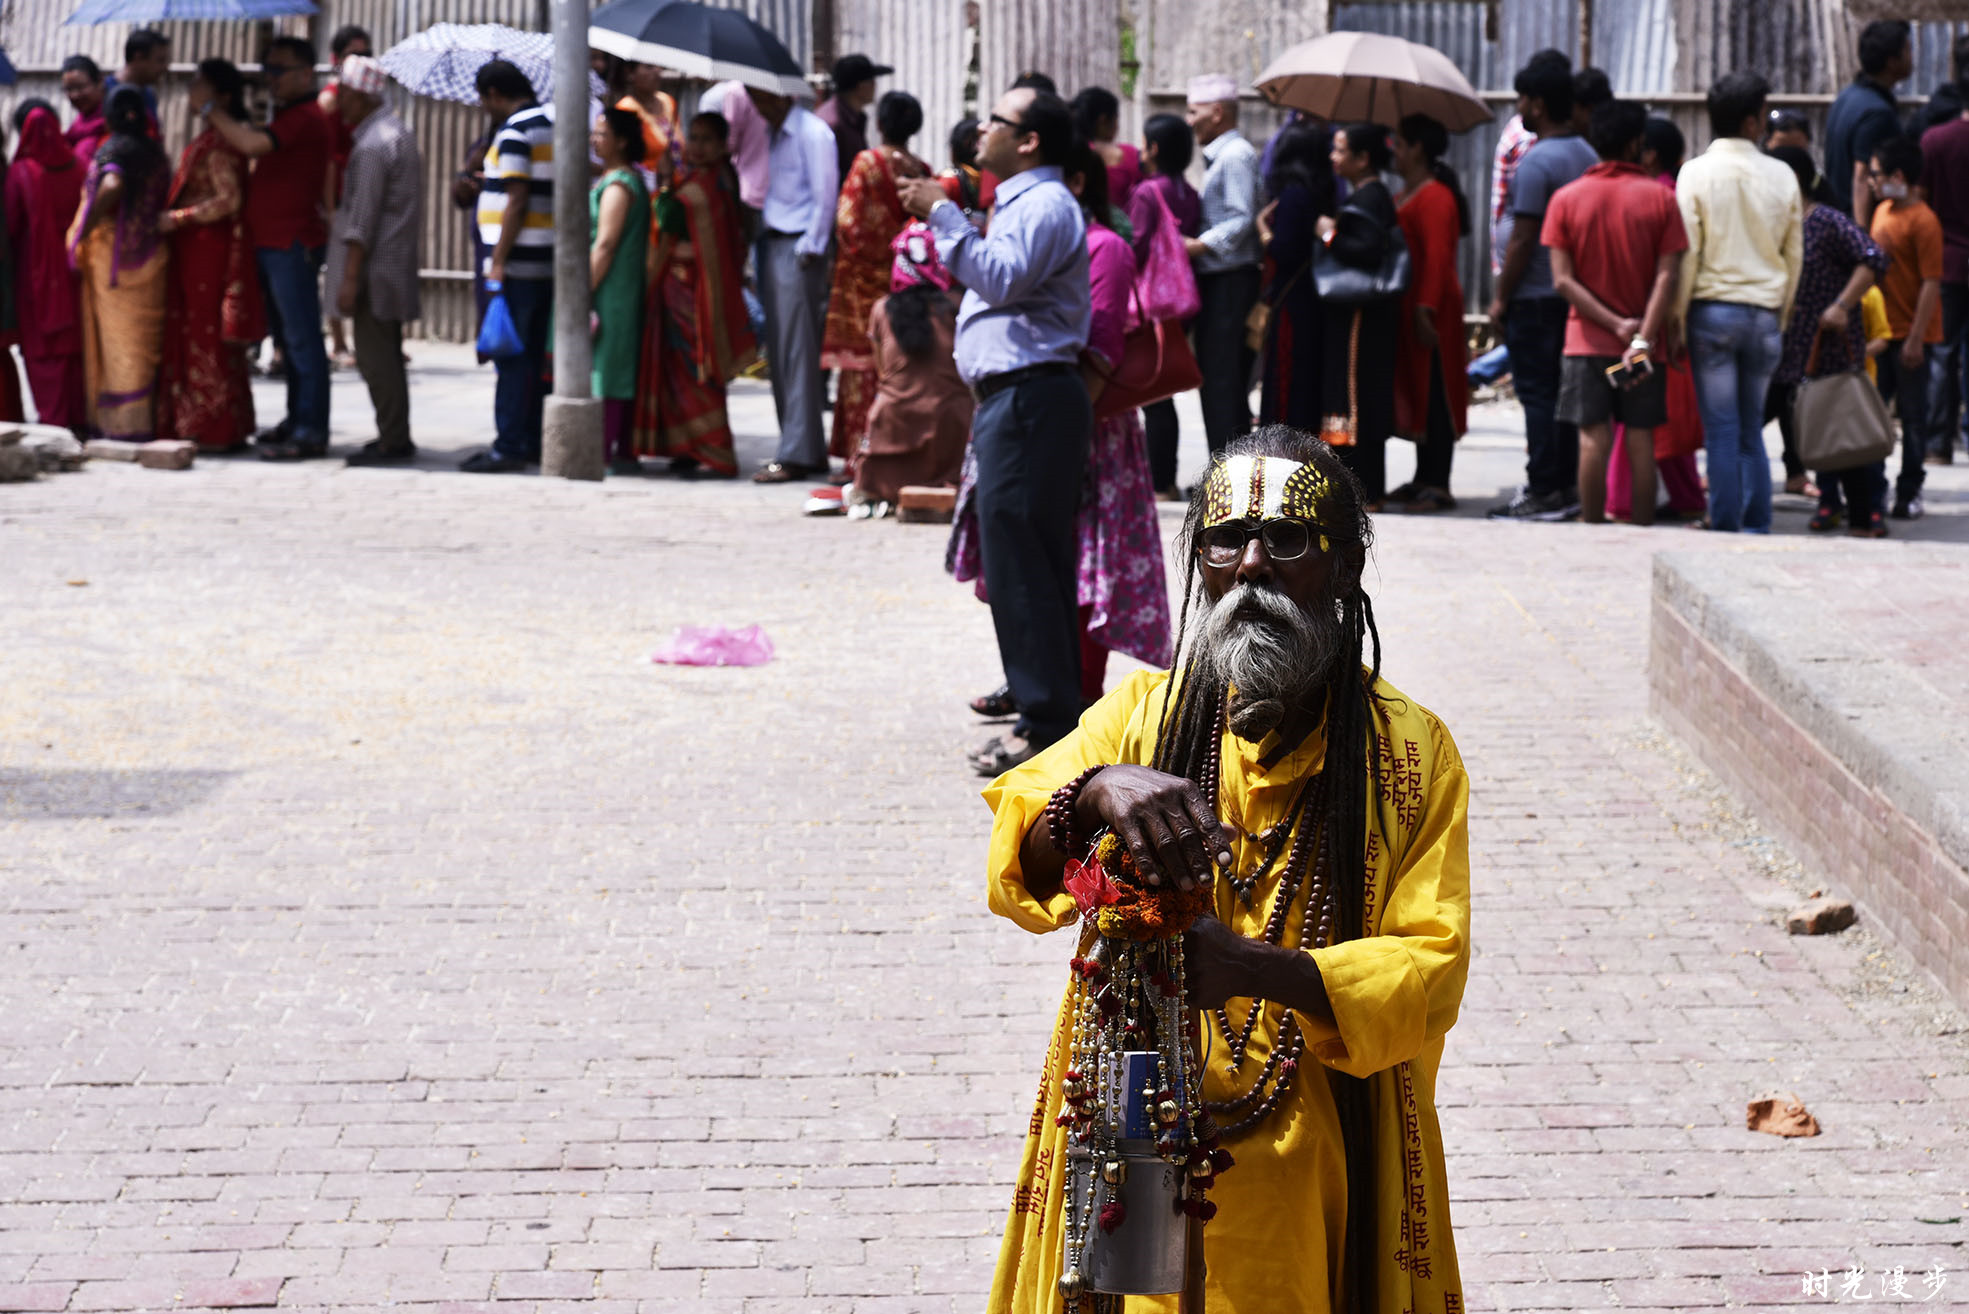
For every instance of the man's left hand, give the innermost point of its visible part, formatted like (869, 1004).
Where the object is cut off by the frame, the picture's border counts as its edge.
(1195, 246)
(1216, 963)
(345, 298)
(920, 195)
(1913, 354)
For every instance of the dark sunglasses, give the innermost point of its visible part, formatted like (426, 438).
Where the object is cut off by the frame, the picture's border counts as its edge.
(1013, 124)
(1286, 538)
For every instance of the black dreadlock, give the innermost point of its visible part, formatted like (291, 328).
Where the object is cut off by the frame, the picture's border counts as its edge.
(1354, 739)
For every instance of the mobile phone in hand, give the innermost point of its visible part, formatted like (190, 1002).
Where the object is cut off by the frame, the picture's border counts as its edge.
(1628, 373)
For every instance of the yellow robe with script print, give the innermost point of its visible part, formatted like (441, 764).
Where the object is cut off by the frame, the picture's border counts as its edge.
(1278, 1237)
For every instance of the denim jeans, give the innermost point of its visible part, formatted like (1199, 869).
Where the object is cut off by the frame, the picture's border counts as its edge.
(522, 393)
(1734, 351)
(1535, 332)
(291, 278)
(1907, 390)
(1948, 376)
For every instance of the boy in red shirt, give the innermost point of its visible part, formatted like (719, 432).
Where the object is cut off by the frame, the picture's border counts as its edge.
(1616, 239)
(1908, 231)
(288, 226)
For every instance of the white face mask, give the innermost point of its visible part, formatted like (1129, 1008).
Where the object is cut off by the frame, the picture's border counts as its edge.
(1893, 191)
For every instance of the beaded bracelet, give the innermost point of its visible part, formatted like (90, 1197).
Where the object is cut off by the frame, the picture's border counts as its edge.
(1062, 821)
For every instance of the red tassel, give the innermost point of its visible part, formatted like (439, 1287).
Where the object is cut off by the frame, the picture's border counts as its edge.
(1113, 1214)
(1221, 1159)
(1206, 1209)
(1078, 966)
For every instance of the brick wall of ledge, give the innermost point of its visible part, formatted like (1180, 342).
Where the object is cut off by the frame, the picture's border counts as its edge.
(1867, 848)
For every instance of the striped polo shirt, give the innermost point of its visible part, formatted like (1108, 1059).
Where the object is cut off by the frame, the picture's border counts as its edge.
(522, 148)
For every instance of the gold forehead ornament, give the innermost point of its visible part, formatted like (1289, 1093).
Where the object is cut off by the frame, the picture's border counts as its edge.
(1263, 488)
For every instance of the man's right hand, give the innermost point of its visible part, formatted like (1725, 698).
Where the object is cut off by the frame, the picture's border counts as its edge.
(1168, 828)
(1834, 319)
(495, 271)
(920, 195)
(1498, 309)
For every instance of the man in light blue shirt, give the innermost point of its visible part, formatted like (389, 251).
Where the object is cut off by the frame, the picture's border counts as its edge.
(1226, 256)
(1020, 333)
(797, 226)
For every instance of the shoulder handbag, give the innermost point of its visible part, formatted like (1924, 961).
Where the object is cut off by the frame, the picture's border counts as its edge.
(1156, 363)
(1165, 283)
(1842, 422)
(1348, 285)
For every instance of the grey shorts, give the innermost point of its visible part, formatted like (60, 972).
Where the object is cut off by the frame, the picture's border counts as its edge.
(1586, 398)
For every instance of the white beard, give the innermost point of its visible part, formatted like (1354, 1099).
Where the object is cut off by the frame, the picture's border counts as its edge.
(1275, 654)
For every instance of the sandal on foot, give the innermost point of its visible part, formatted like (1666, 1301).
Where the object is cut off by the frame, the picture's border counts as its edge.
(781, 472)
(1001, 755)
(997, 703)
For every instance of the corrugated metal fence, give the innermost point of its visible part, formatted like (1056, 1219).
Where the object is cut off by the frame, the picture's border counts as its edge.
(31, 31)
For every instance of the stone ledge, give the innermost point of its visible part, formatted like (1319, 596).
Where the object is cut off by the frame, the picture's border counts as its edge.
(1802, 677)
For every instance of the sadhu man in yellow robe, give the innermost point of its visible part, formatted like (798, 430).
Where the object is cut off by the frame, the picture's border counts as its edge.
(1337, 1199)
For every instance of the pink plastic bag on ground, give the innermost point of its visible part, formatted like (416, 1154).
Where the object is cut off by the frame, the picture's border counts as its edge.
(715, 645)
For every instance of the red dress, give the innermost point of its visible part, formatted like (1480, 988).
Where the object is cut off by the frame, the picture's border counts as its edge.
(44, 189)
(204, 389)
(1432, 228)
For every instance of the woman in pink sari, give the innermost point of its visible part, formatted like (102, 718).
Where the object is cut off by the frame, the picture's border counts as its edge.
(87, 92)
(44, 187)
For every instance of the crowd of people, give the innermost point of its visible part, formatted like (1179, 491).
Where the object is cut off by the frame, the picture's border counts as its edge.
(1717, 313)
(142, 290)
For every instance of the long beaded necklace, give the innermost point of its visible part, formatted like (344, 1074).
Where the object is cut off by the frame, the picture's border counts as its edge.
(1310, 853)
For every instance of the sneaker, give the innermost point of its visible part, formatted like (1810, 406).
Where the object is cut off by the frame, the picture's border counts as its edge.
(1874, 526)
(1824, 520)
(1528, 505)
(1908, 508)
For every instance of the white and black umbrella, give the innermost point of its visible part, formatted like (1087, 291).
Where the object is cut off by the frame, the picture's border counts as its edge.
(697, 40)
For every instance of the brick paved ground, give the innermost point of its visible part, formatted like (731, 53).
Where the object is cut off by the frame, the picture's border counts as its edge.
(379, 928)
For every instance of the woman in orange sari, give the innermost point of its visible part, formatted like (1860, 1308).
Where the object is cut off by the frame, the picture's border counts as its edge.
(117, 248)
(204, 388)
(866, 220)
(695, 336)
(1432, 387)
(658, 111)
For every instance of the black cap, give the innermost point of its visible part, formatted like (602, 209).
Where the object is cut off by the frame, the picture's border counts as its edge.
(853, 70)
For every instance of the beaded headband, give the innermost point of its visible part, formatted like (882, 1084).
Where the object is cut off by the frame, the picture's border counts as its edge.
(1261, 488)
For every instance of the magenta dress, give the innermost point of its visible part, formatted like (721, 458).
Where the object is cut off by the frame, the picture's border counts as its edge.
(1123, 592)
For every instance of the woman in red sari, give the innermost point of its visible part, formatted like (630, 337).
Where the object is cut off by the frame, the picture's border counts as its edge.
(695, 337)
(204, 388)
(1432, 387)
(866, 220)
(44, 188)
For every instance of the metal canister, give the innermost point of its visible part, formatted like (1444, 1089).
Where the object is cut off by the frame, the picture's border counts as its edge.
(1148, 1254)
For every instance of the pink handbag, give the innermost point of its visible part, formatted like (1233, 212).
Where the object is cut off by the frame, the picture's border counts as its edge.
(1164, 286)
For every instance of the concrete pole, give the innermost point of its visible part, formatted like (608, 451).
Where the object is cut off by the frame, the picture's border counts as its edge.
(571, 426)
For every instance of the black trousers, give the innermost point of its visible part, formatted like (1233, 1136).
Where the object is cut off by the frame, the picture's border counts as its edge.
(1438, 446)
(1160, 426)
(1031, 443)
(1221, 354)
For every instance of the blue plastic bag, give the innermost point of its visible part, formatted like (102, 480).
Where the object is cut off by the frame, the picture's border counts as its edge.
(499, 337)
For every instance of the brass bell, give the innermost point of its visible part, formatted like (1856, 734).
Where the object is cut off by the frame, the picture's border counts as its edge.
(1073, 1286)
(1203, 1170)
(1114, 1172)
(1167, 1112)
(1070, 1088)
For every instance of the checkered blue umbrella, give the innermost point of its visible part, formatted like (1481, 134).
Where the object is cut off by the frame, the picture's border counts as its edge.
(443, 61)
(697, 40)
(184, 11)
